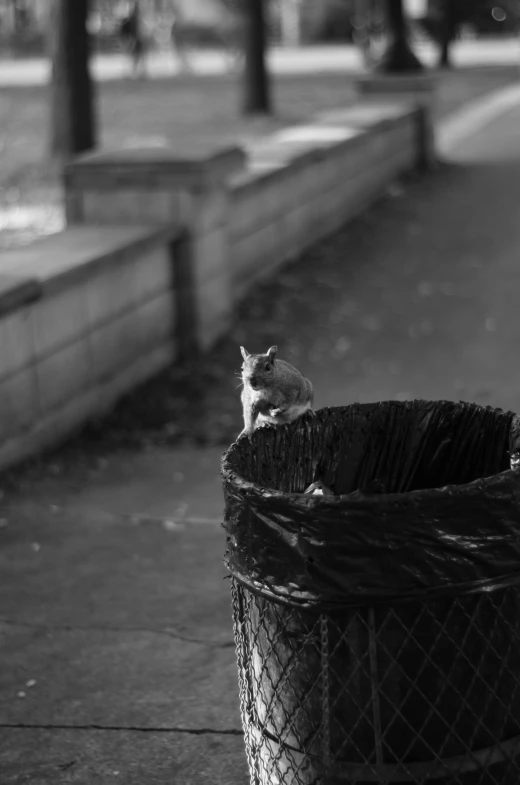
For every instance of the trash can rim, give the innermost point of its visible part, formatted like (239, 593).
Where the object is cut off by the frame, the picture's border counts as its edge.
(358, 497)
(363, 546)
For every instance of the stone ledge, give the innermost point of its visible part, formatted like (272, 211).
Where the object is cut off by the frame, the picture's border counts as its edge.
(197, 168)
(59, 260)
(275, 159)
(420, 82)
(375, 112)
(62, 421)
(60, 364)
(15, 291)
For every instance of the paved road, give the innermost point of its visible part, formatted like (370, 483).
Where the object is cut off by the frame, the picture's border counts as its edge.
(117, 663)
(288, 61)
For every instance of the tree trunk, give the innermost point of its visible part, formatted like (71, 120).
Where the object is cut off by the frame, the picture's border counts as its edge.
(398, 57)
(72, 92)
(448, 29)
(18, 17)
(256, 79)
(444, 59)
(290, 22)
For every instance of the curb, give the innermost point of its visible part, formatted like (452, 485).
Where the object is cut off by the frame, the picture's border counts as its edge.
(464, 123)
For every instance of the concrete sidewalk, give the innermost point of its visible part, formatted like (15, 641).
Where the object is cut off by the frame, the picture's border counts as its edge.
(117, 657)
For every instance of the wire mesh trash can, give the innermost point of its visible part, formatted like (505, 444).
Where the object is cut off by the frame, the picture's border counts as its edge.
(377, 631)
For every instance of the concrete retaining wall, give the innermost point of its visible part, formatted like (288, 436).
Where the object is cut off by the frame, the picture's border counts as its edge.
(85, 315)
(281, 207)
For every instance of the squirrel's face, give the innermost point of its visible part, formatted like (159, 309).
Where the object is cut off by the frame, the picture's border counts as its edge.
(258, 369)
(257, 372)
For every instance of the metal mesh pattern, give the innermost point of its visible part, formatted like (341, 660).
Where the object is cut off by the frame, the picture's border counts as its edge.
(417, 692)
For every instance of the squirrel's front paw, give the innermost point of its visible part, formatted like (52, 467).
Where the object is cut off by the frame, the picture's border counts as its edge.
(275, 412)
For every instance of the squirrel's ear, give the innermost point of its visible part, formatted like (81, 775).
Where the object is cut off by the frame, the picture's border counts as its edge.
(272, 353)
(245, 353)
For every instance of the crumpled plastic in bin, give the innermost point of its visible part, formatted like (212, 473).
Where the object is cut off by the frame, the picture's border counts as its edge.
(426, 504)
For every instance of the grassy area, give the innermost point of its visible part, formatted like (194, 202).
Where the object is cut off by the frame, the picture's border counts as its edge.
(163, 110)
(177, 111)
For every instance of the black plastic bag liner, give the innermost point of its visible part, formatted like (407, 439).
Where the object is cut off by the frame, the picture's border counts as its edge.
(425, 505)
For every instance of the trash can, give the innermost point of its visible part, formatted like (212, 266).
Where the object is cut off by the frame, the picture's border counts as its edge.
(377, 630)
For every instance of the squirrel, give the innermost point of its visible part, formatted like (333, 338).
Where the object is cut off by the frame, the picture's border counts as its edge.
(274, 391)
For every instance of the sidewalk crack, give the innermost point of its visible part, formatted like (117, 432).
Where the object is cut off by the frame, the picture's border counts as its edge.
(169, 632)
(129, 728)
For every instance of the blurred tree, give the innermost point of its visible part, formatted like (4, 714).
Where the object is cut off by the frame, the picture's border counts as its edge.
(72, 93)
(256, 98)
(290, 21)
(482, 16)
(398, 56)
(21, 15)
(369, 30)
(443, 22)
(451, 16)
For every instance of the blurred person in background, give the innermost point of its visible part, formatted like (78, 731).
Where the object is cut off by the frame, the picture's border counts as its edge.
(132, 37)
(369, 30)
(178, 40)
(231, 31)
